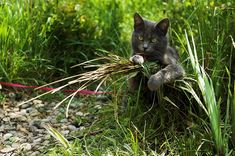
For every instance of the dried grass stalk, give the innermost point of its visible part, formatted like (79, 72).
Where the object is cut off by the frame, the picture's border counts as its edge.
(115, 66)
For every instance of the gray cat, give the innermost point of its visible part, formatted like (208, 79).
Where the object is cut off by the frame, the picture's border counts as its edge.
(149, 43)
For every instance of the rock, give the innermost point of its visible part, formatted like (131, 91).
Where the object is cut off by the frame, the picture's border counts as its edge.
(37, 141)
(16, 109)
(46, 142)
(86, 114)
(15, 145)
(6, 119)
(98, 107)
(2, 114)
(35, 153)
(25, 147)
(35, 122)
(29, 110)
(2, 128)
(34, 112)
(23, 112)
(45, 121)
(8, 127)
(26, 105)
(7, 149)
(82, 128)
(47, 137)
(64, 120)
(65, 132)
(15, 139)
(72, 128)
(102, 98)
(80, 113)
(36, 102)
(39, 105)
(7, 136)
(12, 154)
(18, 115)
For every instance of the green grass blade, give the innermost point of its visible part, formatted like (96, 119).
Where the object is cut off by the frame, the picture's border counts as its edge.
(59, 137)
(206, 87)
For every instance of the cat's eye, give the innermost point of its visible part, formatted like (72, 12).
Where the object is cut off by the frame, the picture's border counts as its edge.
(140, 38)
(154, 40)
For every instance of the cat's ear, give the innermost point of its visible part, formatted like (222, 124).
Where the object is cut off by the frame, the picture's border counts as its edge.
(163, 25)
(138, 22)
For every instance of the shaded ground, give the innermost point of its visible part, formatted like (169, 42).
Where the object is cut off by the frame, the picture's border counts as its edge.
(22, 129)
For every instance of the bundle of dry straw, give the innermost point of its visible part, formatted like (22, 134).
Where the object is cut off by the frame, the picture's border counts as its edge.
(114, 66)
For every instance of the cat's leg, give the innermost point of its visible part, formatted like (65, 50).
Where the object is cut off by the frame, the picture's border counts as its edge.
(167, 75)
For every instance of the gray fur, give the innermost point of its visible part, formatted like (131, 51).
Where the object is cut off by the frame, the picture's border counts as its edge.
(149, 43)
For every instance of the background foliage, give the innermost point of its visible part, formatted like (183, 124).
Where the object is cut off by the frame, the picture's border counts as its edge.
(40, 40)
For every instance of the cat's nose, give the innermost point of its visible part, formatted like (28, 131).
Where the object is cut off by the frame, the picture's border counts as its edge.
(145, 46)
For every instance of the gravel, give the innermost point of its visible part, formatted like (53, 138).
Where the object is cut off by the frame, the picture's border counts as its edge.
(22, 127)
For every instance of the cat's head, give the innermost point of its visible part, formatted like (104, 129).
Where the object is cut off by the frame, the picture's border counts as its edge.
(149, 38)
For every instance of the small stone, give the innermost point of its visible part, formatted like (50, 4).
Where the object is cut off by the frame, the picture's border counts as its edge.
(39, 105)
(64, 120)
(34, 112)
(23, 112)
(45, 120)
(23, 140)
(18, 115)
(65, 132)
(35, 153)
(12, 154)
(79, 113)
(22, 118)
(6, 119)
(33, 129)
(7, 149)
(37, 141)
(7, 136)
(16, 109)
(82, 128)
(8, 127)
(26, 147)
(2, 128)
(53, 121)
(36, 123)
(15, 139)
(12, 95)
(26, 105)
(15, 145)
(48, 136)
(72, 128)
(36, 102)
(24, 130)
(29, 110)
(46, 142)
(64, 126)
(2, 114)
(102, 98)
(97, 107)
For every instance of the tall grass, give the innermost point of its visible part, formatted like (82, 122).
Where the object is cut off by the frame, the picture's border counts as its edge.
(207, 90)
(40, 40)
(23, 40)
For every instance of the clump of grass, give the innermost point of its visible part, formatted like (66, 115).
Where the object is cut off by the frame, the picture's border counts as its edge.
(114, 66)
(206, 87)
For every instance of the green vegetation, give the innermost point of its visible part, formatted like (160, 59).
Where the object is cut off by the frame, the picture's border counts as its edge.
(40, 40)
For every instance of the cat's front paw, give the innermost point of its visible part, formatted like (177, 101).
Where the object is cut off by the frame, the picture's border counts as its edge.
(137, 59)
(155, 81)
